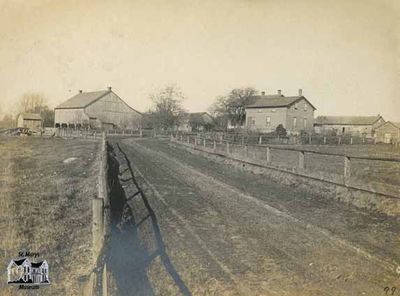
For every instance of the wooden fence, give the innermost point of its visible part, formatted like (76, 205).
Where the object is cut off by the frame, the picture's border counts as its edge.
(314, 139)
(373, 174)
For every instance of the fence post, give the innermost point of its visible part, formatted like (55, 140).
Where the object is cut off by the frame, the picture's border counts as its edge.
(260, 140)
(347, 169)
(195, 140)
(309, 139)
(227, 147)
(215, 146)
(140, 133)
(339, 140)
(351, 141)
(301, 160)
(324, 140)
(204, 142)
(268, 154)
(220, 139)
(188, 139)
(242, 139)
(246, 151)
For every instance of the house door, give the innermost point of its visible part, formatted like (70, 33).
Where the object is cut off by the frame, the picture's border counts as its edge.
(388, 138)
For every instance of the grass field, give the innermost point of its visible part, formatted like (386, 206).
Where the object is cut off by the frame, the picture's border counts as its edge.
(45, 207)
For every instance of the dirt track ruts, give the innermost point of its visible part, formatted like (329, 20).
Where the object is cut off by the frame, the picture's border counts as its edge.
(225, 239)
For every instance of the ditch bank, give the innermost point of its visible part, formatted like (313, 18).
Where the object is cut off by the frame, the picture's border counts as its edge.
(362, 199)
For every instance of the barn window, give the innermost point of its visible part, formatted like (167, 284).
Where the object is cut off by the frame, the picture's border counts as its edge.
(268, 121)
(64, 125)
(294, 122)
(71, 125)
(305, 107)
(57, 125)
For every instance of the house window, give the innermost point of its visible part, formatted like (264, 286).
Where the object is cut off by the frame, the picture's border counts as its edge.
(268, 121)
(251, 121)
(273, 110)
(305, 107)
(294, 122)
(305, 123)
(259, 110)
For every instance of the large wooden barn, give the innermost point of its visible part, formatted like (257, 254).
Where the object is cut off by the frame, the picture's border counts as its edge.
(98, 110)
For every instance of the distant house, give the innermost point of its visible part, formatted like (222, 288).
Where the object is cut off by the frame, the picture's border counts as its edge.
(23, 271)
(295, 113)
(198, 121)
(388, 132)
(354, 125)
(98, 109)
(29, 120)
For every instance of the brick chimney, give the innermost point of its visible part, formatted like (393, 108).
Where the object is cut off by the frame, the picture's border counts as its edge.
(80, 91)
(279, 92)
(263, 93)
(300, 92)
(109, 88)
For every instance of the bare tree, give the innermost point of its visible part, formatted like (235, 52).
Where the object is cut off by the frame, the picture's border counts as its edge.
(36, 103)
(167, 111)
(232, 106)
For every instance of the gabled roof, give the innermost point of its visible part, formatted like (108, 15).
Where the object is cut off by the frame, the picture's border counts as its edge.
(31, 116)
(346, 120)
(275, 101)
(198, 117)
(395, 124)
(20, 261)
(37, 264)
(81, 100)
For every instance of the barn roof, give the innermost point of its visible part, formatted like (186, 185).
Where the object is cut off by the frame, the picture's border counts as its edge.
(274, 101)
(31, 116)
(346, 120)
(81, 100)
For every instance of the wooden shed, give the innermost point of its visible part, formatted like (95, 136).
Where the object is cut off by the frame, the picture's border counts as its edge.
(32, 121)
(389, 133)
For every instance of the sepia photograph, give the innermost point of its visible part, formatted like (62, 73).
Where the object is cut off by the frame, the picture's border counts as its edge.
(199, 147)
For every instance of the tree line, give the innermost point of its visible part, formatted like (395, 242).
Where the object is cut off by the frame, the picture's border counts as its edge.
(165, 113)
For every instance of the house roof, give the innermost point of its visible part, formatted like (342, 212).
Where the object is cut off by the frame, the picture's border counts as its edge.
(31, 116)
(346, 120)
(19, 261)
(198, 117)
(37, 264)
(275, 101)
(81, 100)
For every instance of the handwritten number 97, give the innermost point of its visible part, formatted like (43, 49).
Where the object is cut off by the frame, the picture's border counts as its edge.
(389, 290)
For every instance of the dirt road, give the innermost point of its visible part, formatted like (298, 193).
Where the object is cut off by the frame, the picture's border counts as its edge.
(185, 225)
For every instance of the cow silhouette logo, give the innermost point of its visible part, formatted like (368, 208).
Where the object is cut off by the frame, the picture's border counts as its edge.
(23, 271)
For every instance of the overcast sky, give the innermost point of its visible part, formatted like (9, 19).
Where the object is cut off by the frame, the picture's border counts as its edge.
(343, 54)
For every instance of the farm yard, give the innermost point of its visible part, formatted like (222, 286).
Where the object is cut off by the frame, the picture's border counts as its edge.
(46, 187)
(194, 226)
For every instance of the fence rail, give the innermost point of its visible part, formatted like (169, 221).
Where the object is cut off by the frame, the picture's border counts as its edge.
(373, 174)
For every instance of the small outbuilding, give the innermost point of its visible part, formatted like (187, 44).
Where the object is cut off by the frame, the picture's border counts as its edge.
(195, 122)
(32, 121)
(352, 125)
(388, 133)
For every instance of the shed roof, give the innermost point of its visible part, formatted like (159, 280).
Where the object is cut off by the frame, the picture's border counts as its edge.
(31, 116)
(274, 101)
(81, 100)
(347, 120)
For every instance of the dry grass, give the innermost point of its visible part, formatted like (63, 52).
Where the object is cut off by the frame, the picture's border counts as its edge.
(45, 207)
